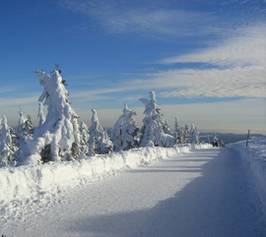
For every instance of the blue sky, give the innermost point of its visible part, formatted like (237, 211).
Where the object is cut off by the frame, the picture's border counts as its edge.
(205, 59)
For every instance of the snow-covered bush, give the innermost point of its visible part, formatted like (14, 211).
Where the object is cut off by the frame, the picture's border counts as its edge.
(99, 141)
(56, 138)
(125, 131)
(7, 147)
(154, 129)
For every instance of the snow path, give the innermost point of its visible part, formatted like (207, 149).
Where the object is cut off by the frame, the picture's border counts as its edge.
(201, 194)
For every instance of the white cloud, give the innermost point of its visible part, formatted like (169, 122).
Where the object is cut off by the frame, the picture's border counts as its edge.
(240, 68)
(121, 17)
(239, 72)
(247, 47)
(246, 81)
(232, 82)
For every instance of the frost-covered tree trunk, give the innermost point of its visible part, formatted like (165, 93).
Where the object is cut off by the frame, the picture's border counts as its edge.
(99, 141)
(125, 131)
(7, 148)
(153, 130)
(56, 138)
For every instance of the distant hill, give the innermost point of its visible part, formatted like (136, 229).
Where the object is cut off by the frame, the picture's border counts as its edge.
(226, 137)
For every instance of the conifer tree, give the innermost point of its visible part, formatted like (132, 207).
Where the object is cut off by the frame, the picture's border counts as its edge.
(56, 138)
(178, 132)
(84, 137)
(194, 134)
(153, 130)
(99, 141)
(125, 131)
(7, 148)
(186, 134)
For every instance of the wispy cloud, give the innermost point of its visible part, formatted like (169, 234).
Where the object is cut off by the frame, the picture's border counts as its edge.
(240, 68)
(149, 20)
(238, 71)
(246, 47)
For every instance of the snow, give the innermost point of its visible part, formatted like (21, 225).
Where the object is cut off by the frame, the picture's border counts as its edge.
(41, 116)
(254, 158)
(203, 193)
(28, 182)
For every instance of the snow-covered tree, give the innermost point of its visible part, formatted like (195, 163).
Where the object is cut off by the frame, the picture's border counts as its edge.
(84, 137)
(20, 128)
(55, 138)
(166, 127)
(178, 132)
(125, 131)
(28, 127)
(186, 134)
(99, 141)
(153, 130)
(194, 134)
(41, 116)
(24, 129)
(7, 147)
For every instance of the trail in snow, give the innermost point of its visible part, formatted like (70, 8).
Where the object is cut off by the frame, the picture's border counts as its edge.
(203, 194)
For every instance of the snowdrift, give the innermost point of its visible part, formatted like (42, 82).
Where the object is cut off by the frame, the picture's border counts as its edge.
(254, 158)
(25, 182)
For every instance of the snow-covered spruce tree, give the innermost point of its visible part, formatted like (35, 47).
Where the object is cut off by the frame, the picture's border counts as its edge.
(24, 129)
(84, 137)
(153, 130)
(7, 147)
(186, 134)
(125, 131)
(166, 127)
(20, 129)
(56, 138)
(99, 141)
(178, 132)
(194, 134)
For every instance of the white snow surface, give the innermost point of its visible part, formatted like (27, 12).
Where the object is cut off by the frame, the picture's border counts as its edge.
(254, 158)
(202, 193)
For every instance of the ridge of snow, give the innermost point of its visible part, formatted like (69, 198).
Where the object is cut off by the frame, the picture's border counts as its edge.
(24, 183)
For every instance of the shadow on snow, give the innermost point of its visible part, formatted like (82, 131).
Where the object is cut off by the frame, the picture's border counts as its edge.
(217, 204)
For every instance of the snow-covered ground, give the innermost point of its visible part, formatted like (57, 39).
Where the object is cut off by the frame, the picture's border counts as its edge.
(203, 193)
(254, 157)
(41, 185)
